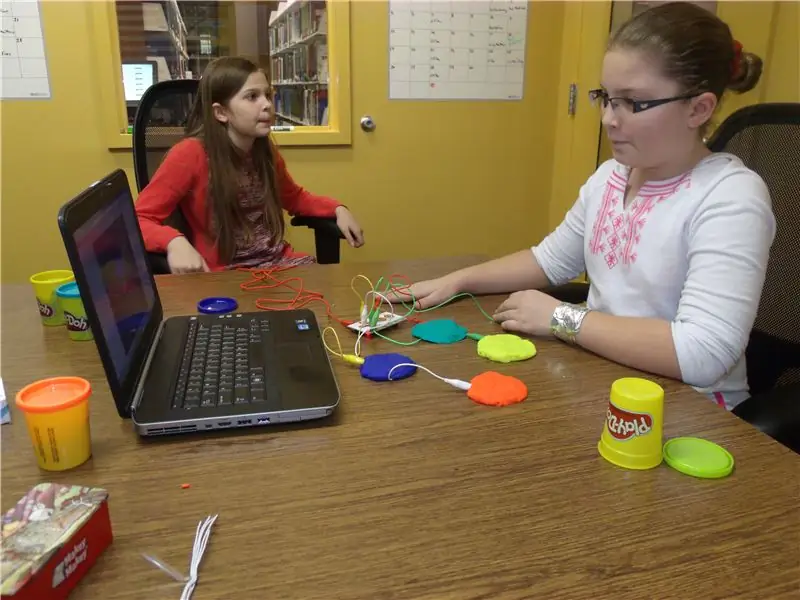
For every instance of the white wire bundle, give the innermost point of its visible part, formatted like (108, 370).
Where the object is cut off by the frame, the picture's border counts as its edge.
(365, 312)
(199, 548)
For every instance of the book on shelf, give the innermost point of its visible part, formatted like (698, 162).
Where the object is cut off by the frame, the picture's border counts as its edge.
(305, 63)
(302, 106)
(298, 25)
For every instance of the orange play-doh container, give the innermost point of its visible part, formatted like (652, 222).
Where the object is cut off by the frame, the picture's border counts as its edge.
(57, 415)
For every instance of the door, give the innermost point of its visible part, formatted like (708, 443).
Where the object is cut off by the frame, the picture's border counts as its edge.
(442, 176)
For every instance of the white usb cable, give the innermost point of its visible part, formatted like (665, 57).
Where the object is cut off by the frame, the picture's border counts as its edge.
(199, 548)
(456, 383)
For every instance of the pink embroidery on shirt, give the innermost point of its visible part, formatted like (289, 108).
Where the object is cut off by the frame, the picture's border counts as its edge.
(621, 234)
(610, 198)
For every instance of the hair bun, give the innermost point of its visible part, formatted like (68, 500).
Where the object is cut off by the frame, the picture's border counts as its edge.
(748, 73)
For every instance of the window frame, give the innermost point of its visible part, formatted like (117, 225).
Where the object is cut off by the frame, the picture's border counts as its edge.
(113, 118)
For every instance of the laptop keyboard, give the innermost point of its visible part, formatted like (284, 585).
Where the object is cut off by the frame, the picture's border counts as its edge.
(222, 364)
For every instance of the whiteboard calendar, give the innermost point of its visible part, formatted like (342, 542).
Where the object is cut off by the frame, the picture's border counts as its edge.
(460, 49)
(24, 66)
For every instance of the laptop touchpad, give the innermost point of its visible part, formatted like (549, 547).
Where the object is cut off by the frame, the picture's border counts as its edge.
(298, 360)
(307, 376)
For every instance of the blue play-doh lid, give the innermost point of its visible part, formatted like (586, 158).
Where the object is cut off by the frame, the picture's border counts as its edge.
(68, 290)
(217, 305)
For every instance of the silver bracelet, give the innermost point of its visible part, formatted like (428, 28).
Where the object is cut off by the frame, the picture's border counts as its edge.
(567, 320)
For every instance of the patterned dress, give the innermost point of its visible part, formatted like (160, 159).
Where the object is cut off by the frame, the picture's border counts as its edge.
(260, 251)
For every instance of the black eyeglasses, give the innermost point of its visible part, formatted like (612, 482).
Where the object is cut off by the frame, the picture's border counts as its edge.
(601, 98)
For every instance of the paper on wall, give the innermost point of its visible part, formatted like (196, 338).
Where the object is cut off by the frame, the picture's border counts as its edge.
(457, 50)
(23, 72)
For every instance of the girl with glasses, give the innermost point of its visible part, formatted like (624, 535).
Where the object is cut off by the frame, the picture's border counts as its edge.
(674, 239)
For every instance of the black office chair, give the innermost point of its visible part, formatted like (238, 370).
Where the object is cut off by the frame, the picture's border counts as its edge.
(766, 137)
(159, 123)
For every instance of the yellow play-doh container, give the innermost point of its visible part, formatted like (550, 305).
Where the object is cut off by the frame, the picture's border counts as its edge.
(57, 415)
(632, 433)
(44, 287)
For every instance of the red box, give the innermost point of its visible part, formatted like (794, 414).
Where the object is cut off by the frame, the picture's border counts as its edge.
(51, 538)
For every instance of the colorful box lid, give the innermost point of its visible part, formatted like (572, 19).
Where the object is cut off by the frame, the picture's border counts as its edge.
(41, 522)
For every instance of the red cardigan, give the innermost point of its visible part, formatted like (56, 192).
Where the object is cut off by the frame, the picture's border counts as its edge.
(182, 181)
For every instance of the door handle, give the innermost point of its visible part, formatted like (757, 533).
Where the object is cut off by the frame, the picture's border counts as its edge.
(367, 124)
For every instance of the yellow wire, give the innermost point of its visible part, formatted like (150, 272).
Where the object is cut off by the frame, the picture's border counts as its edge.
(340, 353)
(355, 291)
(348, 358)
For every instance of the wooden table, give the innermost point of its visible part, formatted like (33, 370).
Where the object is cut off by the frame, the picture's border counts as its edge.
(413, 491)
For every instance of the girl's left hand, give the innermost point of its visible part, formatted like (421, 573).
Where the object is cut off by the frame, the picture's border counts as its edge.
(349, 227)
(527, 312)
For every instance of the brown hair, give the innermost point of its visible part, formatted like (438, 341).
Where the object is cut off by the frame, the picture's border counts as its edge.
(221, 81)
(694, 46)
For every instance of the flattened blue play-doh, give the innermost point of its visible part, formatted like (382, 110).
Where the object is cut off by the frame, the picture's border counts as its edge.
(376, 367)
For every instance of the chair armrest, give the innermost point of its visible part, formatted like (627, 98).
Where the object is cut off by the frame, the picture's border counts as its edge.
(574, 293)
(326, 237)
(323, 224)
(775, 413)
(158, 263)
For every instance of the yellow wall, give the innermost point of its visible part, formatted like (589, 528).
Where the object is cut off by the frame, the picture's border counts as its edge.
(51, 149)
(781, 81)
(55, 148)
(450, 171)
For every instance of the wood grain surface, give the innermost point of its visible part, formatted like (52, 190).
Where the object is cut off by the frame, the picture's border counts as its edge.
(411, 490)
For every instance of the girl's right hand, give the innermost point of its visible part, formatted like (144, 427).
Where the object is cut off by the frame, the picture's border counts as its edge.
(427, 293)
(183, 258)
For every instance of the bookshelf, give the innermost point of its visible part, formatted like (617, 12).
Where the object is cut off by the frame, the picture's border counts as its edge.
(298, 41)
(310, 40)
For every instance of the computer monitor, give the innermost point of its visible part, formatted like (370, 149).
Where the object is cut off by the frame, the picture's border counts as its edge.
(136, 78)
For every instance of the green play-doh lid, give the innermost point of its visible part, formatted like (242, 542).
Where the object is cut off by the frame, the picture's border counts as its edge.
(698, 458)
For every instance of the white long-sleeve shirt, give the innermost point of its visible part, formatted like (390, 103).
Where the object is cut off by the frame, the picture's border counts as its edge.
(691, 250)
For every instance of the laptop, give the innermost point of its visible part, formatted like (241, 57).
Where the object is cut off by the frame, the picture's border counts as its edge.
(186, 373)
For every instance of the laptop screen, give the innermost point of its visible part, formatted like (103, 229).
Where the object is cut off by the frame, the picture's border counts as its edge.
(118, 280)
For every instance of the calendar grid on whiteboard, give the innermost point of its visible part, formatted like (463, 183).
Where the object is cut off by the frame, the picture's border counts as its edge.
(23, 71)
(459, 49)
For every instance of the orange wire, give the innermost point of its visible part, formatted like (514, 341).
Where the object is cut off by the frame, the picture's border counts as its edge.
(263, 279)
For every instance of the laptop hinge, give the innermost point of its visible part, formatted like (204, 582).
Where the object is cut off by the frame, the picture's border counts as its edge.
(137, 397)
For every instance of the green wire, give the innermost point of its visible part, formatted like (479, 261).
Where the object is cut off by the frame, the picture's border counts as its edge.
(399, 343)
(462, 295)
(412, 310)
(374, 313)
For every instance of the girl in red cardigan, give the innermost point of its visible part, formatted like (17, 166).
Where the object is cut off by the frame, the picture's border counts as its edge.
(230, 182)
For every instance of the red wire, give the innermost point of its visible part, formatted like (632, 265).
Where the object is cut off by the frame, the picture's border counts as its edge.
(263, 279)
